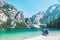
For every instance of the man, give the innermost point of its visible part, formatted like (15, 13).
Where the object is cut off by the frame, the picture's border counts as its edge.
(44, 30)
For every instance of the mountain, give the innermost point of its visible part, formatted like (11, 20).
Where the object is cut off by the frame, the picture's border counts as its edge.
(37, 19)
(10, 17)
(54, 23)
(52, 14)
(29, 23)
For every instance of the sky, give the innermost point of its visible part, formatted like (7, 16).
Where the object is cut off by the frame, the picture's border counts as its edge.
(31, 7)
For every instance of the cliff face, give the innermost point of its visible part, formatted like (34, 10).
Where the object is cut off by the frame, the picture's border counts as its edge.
(10, 16)
(52, 16)
(37, 19)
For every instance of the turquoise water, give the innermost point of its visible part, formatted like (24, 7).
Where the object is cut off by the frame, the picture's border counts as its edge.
(7, 31)
(22, 33)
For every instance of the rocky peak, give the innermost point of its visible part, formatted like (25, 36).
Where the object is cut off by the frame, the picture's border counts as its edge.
(1, 3)
(10, 15)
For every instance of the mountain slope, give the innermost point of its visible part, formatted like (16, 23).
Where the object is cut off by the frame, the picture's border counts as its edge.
(10, 17)
(37, 19)
(52, 14)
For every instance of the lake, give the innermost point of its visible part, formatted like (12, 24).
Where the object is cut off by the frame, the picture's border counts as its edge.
(22, 33)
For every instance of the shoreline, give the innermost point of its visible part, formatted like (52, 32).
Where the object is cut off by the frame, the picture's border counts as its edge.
(45, 38)
(28, 36)
(50, 36)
